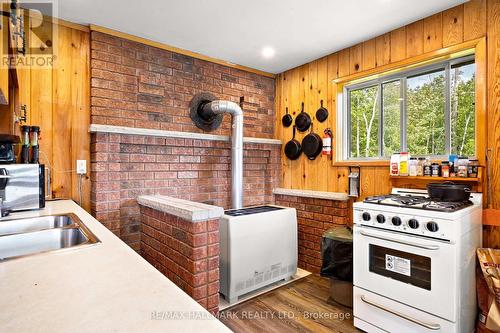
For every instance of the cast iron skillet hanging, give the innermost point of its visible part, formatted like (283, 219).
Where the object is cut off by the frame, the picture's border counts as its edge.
(303, 120)
(312, 144)
(322, 113)
(287, 119)
(293, 148)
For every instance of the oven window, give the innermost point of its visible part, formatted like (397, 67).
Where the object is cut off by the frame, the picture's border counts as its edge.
(402, 266)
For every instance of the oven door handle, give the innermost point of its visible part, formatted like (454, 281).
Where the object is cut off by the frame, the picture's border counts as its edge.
(429, 326)
(389, 239)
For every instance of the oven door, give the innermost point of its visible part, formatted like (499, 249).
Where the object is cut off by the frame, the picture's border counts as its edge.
(413, 270)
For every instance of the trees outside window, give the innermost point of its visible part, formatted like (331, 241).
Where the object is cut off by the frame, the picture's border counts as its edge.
(427, 111)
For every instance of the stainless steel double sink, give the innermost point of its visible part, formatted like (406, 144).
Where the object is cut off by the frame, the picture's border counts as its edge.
(30, 236)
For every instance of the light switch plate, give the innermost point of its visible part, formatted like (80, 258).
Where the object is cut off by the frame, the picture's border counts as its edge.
(81, 167)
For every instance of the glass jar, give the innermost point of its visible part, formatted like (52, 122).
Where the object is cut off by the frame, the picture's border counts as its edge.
(34, 132)
(412, 167)
(461, 168)
(435, 168)
(445, 169)
(472, 168)
(420, 166)
(427, 167)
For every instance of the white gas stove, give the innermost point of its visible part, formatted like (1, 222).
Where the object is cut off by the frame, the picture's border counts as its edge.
(414, 263)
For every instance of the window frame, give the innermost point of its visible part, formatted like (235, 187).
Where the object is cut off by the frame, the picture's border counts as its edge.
(401, 76)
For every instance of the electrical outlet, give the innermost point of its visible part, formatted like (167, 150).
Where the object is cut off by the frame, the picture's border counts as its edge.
(81, 167)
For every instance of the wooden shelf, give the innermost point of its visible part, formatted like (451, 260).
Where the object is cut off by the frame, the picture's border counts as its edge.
(454, 179)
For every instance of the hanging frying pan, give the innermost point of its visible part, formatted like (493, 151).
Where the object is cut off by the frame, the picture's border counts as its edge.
(293, 148)
(312, 144)
(322, 113)
(287, 119)
(303, 120)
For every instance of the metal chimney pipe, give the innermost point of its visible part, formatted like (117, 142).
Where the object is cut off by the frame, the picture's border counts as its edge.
(211, 109)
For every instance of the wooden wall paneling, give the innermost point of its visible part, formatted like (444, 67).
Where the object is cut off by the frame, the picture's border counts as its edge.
(310, 175)
(332, 74)
(491, 236)
(343, 179)
(433, 32)
(63, 110)
(356, 59)
(481, 103)
(369, 54)
(344, 62)
(304, 96)
(295, 166)
(80, 92)
(285, 162)
(58, 100)
(398, 44)
(494, 98)
(368, 182)
(41, 98)
(383, 49)
(415, 39)
(474, 19)
(323, 164)
(453, 26)
(383, 181)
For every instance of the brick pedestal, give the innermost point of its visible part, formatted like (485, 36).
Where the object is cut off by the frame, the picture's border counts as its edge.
(315, 216)
(185, 252)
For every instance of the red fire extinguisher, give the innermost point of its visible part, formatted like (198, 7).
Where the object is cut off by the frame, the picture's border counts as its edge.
(327, 142)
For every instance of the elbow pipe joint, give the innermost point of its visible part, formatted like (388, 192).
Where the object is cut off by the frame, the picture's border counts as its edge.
(211, 111)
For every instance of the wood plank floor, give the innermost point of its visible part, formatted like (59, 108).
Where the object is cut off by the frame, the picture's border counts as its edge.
(298, 307)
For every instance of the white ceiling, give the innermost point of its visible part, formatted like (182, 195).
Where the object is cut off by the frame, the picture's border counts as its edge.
(236, 30)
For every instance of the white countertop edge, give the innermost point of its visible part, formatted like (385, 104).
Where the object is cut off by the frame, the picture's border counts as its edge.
(105, 287)
(337, 196)
(188, 210)
(99, 128)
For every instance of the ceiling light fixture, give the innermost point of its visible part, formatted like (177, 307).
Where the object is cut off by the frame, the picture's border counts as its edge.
(268, 52)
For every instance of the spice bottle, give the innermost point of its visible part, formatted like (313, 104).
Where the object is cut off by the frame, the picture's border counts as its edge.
(420, 166)
(403, 164)
(412, 169)
(394, 166)
(435, 169)
(462, 166)
(473, 167)
(427, 167)
(445, 169)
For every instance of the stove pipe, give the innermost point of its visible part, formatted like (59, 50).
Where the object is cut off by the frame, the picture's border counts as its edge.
(218, 107)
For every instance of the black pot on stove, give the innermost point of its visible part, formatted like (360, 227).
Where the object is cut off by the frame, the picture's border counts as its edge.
(448, 191)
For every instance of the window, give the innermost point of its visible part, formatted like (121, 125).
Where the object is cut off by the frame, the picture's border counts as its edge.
(426, 111)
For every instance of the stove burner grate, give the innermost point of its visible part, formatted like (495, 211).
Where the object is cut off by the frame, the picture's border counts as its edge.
(418, 202)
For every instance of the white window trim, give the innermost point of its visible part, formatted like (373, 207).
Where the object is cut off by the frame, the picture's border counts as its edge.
(342, 126)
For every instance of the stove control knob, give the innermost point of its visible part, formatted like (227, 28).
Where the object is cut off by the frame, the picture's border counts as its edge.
(366, 216)
(413, 224)
(396, 221)
(380, 218)
(432, 226)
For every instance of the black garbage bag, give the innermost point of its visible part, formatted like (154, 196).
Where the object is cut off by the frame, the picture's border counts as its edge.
(336, 253)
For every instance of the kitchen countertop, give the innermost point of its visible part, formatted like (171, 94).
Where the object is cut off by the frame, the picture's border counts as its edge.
(337, 196)
(106, 287)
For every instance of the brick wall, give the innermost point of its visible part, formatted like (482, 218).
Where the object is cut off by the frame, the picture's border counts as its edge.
(314, 216)
(185, 252)
(136, 85)
(126, 166)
